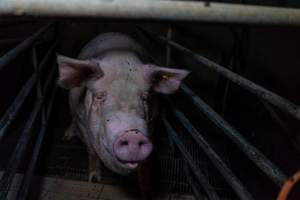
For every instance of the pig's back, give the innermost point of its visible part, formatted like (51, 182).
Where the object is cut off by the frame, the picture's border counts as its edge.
(109, 41)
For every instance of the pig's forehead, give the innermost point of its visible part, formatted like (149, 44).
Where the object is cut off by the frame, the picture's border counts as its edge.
(122, 67)
(120, 78)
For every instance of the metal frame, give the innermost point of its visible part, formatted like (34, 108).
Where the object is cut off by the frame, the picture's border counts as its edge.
(246, 84)
(14, 108)
(271, 170)
(39, 109)
(210, 192)
(231, 179)
(154, 10)
(12, 54)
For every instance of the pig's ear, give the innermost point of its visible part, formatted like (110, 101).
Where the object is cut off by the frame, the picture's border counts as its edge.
(165, 80)
(73, 72)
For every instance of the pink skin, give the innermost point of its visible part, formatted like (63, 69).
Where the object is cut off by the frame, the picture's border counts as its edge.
(109, 98)
(132, 147)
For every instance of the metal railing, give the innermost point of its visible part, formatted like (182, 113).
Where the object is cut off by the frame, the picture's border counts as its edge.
(40, 109)
(155, 10)
(262, 162)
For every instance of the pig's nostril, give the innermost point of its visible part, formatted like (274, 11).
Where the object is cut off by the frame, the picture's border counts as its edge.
(141, 143)
(124, 143)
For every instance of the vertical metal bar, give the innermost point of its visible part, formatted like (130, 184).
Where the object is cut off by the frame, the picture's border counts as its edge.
(12, 54)
(211, 193)
(229, 176)
(275, 174)
(36, 71)
(25, 188)
(168, 48)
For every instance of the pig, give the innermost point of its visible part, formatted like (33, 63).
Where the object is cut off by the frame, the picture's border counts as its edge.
(110, 84)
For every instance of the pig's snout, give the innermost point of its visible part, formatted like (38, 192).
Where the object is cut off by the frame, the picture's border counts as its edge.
(132, 147)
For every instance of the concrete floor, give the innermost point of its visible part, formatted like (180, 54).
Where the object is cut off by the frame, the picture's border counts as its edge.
(50, 188)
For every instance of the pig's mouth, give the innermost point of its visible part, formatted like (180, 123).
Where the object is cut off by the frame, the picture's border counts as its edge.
(131, 165)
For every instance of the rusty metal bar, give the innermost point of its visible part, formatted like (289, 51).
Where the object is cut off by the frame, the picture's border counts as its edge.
(229, 176)
(154, 10)
(250, 86)
(12, 54)
(275, 174)
(14, 108)
(211, 193)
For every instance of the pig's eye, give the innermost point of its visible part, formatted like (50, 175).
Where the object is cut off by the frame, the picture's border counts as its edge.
(100, 96)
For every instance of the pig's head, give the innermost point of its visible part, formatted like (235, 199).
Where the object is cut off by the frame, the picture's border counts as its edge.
(115, 100)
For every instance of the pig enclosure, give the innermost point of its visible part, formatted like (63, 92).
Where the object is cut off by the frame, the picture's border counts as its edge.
(246, 149)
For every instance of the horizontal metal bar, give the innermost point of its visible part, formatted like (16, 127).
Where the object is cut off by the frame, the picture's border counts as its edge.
(229, 176)
(154, 10)
(275, 174)
(24, 189)
(282, 103)
(14, 108)
(211, 193)
(12, 54)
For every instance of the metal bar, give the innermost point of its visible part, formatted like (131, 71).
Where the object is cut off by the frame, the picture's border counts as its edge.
(154, 10)
(255, 89)
(18, 153)
(14, 108)
(12, 54)
(254, 154)
(24, 190)
(192, 182)
(229, 176)
(276, 118)
(10, 41)
(168, 48)
(226, 91)
(37, 71)
(211, 193)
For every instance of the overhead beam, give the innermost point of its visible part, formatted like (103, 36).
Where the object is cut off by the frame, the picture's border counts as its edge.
(154, 10)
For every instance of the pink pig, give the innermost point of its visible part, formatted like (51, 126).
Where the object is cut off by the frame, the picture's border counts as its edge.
(109, 87)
